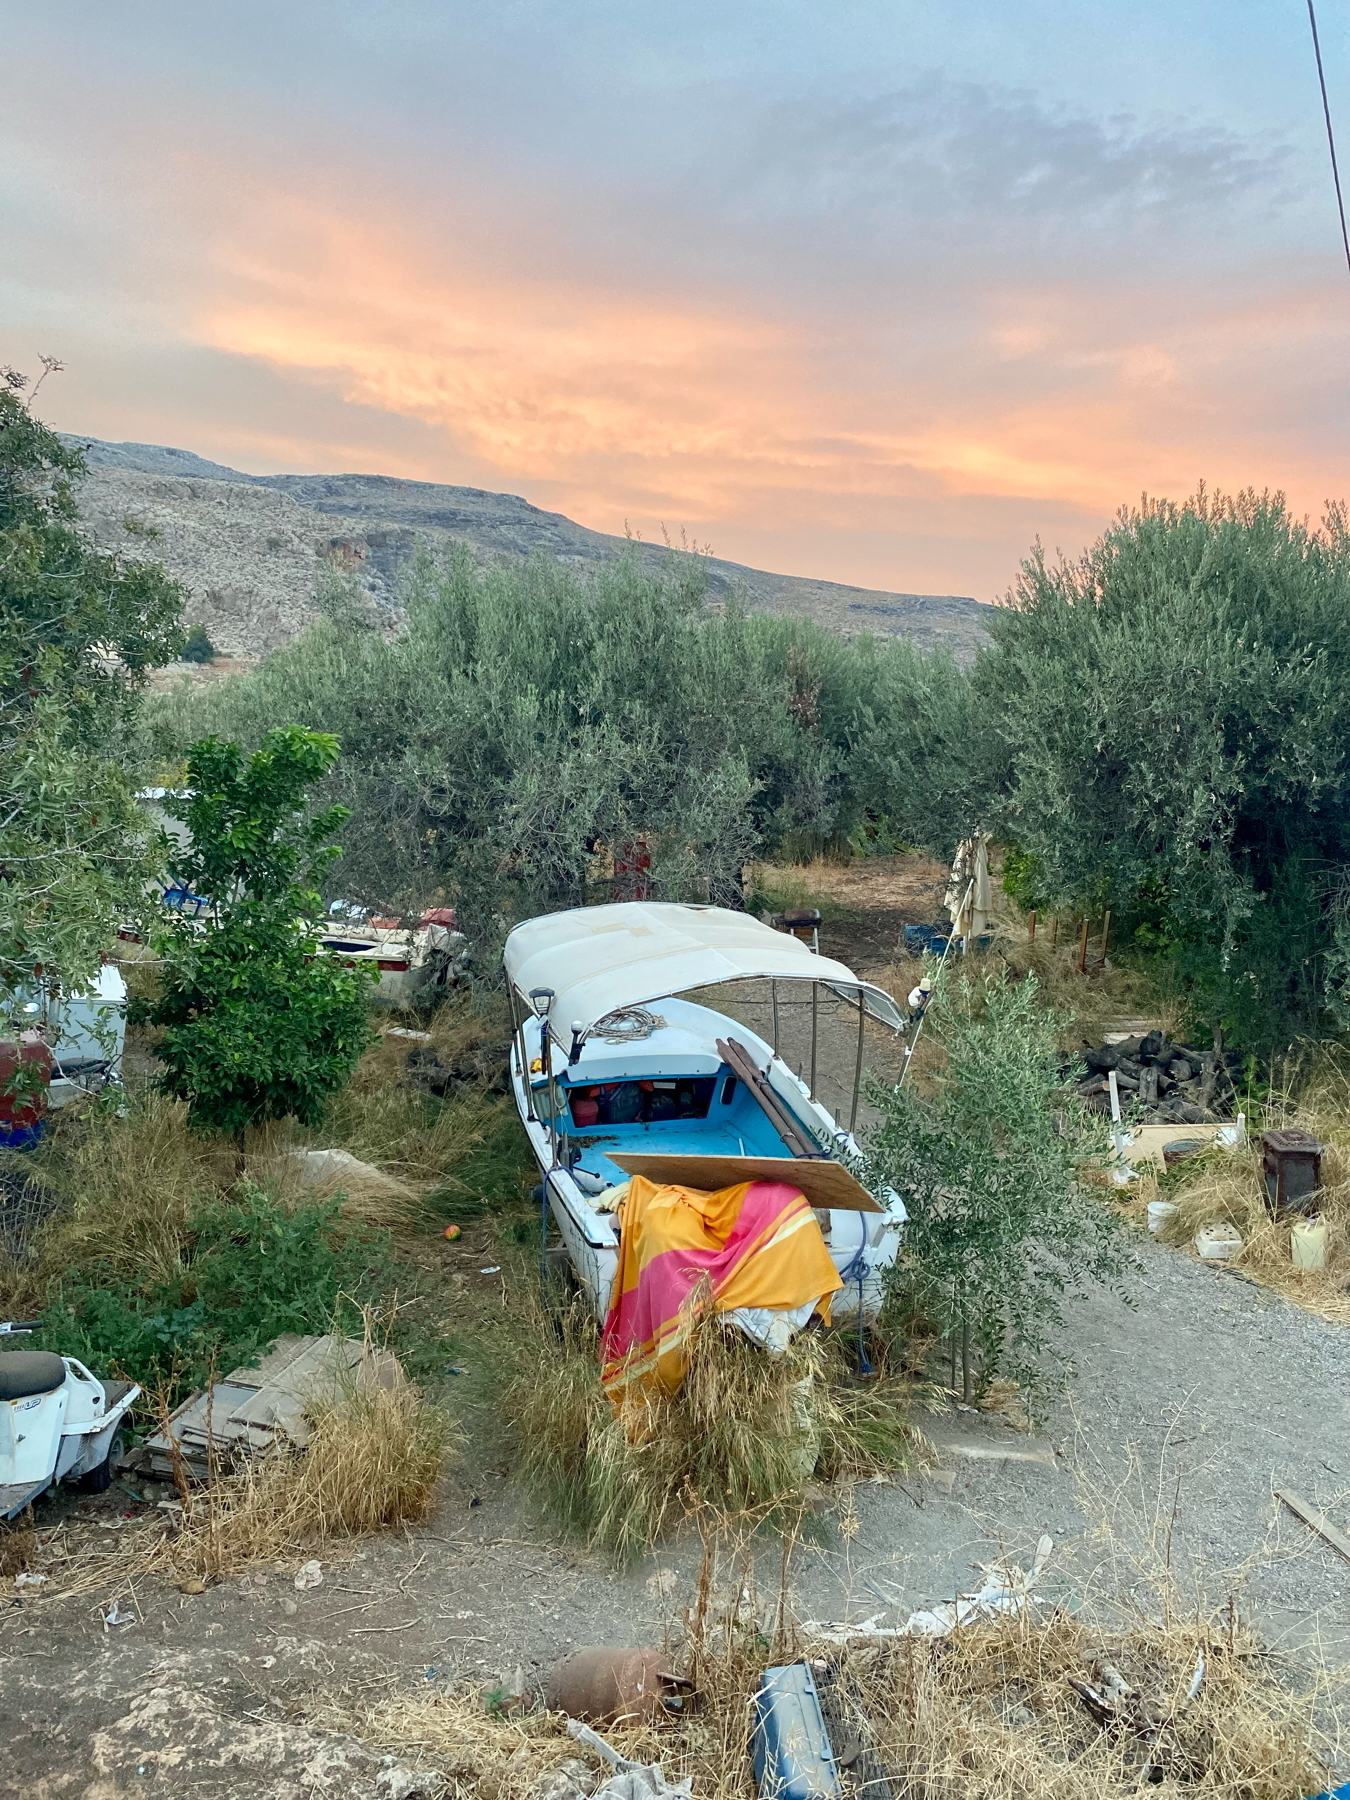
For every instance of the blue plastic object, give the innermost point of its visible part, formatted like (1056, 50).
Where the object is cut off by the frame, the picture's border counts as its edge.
(1340, 1793)
(790, 1746)
(916, 938)
(937, 946)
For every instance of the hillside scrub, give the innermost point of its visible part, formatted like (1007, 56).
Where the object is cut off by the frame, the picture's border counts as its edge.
(1158, 727)
(530, 716)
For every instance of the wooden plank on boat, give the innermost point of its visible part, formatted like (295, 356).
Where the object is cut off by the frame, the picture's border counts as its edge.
(828, 1185)
(775, 1108)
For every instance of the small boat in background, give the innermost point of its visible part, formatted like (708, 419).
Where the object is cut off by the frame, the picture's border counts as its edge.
(616, 1074)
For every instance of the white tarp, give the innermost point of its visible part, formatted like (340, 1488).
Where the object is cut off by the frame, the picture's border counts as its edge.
(599, 958)
(970, 899)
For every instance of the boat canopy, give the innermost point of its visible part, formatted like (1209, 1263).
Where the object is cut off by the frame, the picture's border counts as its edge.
(600, 958)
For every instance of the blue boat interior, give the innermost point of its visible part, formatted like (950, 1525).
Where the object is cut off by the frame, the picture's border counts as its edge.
(709, 1115)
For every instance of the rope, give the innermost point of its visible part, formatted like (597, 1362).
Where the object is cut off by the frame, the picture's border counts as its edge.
(627, 1025)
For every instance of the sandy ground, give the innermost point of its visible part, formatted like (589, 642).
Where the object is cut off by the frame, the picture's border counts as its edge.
(1177, 1419)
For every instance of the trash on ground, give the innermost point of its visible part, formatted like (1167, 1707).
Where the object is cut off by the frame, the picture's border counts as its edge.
(334, 1169)
(1159, 1212)
(1006, 1589)
(790, 1744)
(28, 1580)
(1218, 1241)
(253, 1410)
(1308, 1243)
(1291, 1162)
(309, 1575)
(115, 1617)
(607, 1686)
(631, 1780)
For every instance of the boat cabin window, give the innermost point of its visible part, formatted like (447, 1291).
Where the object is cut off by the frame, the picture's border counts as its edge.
(642, 1102)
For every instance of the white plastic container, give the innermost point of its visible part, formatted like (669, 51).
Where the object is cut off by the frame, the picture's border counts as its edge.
(1218, 1241)
(1159, 1212)
(1308, 1244)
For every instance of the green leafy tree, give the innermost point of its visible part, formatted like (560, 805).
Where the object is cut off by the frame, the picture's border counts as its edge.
(256, 1025)
(987, 1157)
(78, 630)
(1172, 713)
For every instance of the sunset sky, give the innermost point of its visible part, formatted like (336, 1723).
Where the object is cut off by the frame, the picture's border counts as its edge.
(869, 290)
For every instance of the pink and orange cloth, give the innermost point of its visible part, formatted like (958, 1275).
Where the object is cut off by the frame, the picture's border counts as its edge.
(755, 1244)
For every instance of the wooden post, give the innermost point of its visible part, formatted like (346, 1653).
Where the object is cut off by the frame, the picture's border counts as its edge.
(1082, 948)
(1106, 934)
(1054, 932)
(1031, 927)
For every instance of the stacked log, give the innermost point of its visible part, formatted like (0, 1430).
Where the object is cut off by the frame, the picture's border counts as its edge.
(1160, 1082)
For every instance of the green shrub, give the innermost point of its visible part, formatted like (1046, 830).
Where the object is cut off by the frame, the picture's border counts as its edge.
(990, 1162)
(198, 648)
(253, 1269)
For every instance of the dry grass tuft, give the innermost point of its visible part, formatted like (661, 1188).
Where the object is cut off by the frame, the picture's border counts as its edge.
(134, 1181)
(992, 1711)
(372, 1461)
(746, 1433)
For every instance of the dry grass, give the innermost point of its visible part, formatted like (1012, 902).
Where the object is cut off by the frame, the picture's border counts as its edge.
(1229, 1186)
(988, 1713)
(372, 1461)
(746, 1434)
(133, 1180)
(991, 1711)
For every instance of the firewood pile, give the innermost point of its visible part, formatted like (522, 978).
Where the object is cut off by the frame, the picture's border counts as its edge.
(1159, 1082)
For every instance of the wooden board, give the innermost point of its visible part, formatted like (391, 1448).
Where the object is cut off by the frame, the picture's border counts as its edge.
(1311, 1517)
(826, 1184)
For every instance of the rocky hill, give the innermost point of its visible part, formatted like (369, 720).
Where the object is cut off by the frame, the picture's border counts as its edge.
(250, 548)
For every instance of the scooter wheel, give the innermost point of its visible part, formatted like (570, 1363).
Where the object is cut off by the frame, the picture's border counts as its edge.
(100, 1479)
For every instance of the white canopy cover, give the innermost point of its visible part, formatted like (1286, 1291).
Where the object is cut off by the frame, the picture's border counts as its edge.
(599, 958)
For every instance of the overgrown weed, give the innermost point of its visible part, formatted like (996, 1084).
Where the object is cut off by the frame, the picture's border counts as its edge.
(372, 1461)
(748, 1432)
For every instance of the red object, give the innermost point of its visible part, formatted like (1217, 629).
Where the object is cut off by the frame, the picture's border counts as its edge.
(399, 965)
(23, 1105)
(452, 1232)
(632, 869)
(386, 924)
(441, 915)
(585, 1112)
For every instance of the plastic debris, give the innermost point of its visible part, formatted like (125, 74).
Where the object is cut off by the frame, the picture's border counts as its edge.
(27, 1580)
(1006, 1589)
(309, 1575)
(115, 1617)
(631, 1780)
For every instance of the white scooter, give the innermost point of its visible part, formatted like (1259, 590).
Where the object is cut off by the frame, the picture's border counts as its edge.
(57, 1423)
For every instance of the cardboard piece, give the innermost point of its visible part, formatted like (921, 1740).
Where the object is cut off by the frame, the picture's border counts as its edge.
(827, 1185)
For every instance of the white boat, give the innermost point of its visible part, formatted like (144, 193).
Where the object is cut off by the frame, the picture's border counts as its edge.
(409, 957)
(609, 1061)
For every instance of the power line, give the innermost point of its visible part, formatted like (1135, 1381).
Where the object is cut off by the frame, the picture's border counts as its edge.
(1331, 136)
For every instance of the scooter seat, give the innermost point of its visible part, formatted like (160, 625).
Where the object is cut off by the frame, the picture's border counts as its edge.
(27, 1372)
